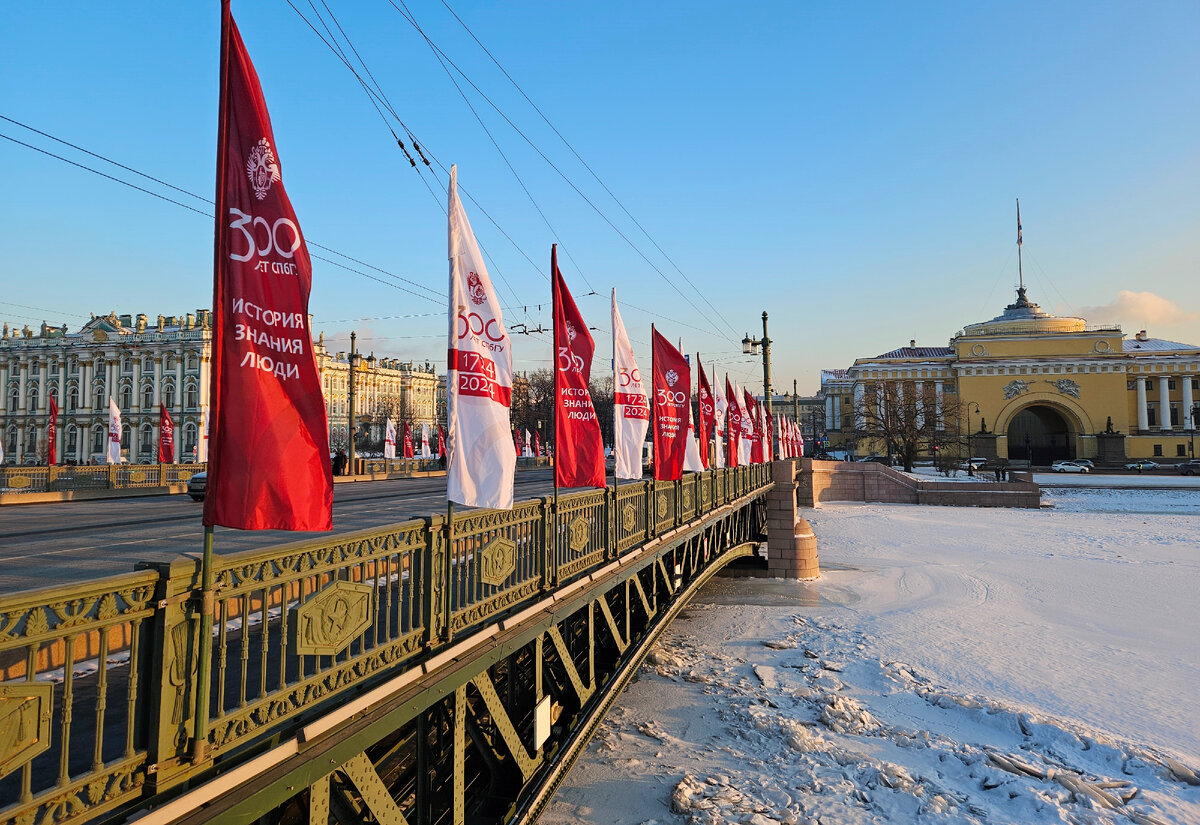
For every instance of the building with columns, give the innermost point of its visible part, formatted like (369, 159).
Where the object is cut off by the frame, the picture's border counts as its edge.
(122, 357)
(383, 387)
(1031, 386)
(140, 364)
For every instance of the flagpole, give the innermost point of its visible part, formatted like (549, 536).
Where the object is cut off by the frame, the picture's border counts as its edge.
(612, 516)
(554, 301)
(208, 601)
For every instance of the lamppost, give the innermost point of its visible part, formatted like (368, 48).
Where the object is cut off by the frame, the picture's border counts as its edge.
(350, 383)
(970, 465)
(750, 347)
(350, 428)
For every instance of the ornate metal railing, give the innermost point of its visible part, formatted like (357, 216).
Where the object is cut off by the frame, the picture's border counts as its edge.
(98, 681)
(71, 478)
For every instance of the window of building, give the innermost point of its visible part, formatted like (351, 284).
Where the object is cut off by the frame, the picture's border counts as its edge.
(125, 434)
(126, 398)
(100, 403)
(1181, 450)
(72, 440)
(189, 437)
(1196, 383)
(145, 438)
(97, 439)
(14, 400)
(11, 447)
(169, 395)
(72, 399)
(33, 398)
(73, 367)
(1174, 416)
(1157, 450)
(191, 397)
(147, 396)
(126, 364)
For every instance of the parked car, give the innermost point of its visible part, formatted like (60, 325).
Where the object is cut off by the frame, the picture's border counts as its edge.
(1068, 467)
(196, 486)
(1141, 464)
(973, 464)
(1189, 468)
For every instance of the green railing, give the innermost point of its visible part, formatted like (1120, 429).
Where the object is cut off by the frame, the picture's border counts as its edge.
(98, 680)
(71, 479)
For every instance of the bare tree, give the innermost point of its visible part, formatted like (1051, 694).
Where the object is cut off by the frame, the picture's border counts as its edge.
(905, 424)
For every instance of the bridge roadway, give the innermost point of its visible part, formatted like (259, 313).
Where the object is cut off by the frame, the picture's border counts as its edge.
(49, 544)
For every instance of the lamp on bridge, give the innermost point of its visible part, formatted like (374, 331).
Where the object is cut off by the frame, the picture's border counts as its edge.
(750, 346)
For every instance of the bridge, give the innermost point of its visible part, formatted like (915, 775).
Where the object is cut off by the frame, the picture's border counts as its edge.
(427, 672)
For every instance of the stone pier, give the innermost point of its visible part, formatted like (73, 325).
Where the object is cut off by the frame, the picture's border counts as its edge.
(791, 545)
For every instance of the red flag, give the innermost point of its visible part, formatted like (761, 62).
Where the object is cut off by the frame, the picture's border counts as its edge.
(408, 440)
(671, 380)
(580, 458)
(166, 436)
(770, 450)
(51, 433)
(734, 427)
(441, 442)
(517, 441)
(268, 463)
(708, 412)
(537, 445)
(753, 427)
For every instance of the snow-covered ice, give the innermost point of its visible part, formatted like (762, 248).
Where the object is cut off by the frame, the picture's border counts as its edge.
(951, 665)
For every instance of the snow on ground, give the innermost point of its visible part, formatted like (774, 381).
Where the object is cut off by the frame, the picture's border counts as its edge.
(954, 665)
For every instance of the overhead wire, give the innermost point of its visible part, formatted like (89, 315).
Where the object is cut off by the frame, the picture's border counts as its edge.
(433, 296)
(583, 162)
(379, 94)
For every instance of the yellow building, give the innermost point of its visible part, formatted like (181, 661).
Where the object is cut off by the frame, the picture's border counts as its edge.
(1030, 386)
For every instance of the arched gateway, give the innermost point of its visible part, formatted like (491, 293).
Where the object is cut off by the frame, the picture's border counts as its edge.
(1041, 434)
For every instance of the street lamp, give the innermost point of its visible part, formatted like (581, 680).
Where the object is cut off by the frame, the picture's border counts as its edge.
(970, 464)
(350, 428)
(750, 347)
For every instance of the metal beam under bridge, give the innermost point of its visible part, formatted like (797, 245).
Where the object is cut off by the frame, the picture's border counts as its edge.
(414, 674)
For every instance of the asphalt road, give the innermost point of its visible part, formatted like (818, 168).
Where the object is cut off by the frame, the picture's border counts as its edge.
(42, 545)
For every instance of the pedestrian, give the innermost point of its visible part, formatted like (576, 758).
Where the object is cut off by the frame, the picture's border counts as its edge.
(339, 463)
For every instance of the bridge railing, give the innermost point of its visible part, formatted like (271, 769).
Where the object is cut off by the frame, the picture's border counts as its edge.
(98, 680)
(69, 478)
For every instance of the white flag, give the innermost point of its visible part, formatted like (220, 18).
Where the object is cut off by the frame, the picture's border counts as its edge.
(389, 439)
(202, 445)
(481, 459)
(528, 444)
(425, 442)
(114, 433)
(631, 408)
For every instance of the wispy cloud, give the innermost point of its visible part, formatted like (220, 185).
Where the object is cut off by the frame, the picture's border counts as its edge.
(1140, 308)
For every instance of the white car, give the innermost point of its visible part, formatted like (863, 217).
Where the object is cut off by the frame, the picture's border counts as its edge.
(1067, 467)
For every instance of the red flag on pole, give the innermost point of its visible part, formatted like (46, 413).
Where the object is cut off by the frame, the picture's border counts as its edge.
(166, 436)
(517, 442)
(671, 382)
(408, 439)
(52, 433)
(537, 444)
(441, 442)
(735, 424)
(753, 427)
(708, 413)
(579, 461)
(268, 463)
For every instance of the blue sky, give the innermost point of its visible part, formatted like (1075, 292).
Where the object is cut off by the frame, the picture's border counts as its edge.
(850, 168)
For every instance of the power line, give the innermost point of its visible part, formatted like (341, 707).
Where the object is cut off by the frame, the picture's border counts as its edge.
(578, 157)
